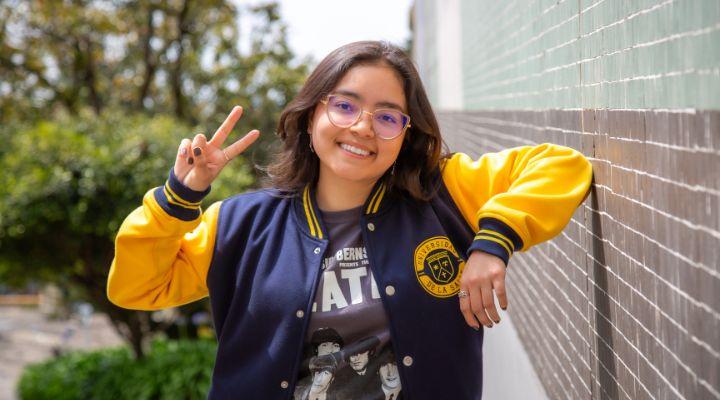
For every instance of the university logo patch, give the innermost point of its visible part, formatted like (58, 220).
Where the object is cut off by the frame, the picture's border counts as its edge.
(438, 267)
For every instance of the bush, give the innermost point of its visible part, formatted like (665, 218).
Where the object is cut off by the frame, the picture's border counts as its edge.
(171, 370)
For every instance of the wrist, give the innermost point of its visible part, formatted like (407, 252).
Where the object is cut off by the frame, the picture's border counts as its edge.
(179, 200)
(496, 238)
(183, 192)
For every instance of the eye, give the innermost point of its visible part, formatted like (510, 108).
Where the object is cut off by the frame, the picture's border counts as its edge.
(388, 118)
(343, 106)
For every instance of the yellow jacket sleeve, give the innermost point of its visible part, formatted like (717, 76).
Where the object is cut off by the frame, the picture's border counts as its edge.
(518, 197)
(163, 250)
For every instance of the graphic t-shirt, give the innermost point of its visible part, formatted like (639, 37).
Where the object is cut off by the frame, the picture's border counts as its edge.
(347, 353)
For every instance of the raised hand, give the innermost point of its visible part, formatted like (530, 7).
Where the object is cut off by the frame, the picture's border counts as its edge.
(199, 162)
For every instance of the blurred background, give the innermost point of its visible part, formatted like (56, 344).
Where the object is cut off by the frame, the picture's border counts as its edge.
(96, 95)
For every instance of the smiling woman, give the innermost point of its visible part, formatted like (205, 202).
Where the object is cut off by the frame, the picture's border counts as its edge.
(366, 267)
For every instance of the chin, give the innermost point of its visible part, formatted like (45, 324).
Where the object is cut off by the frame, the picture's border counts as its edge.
(356, 174)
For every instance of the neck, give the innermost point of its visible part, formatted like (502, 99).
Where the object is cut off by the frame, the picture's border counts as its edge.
(339, 194)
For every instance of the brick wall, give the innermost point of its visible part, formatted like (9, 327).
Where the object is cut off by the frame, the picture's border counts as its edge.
(625, 302)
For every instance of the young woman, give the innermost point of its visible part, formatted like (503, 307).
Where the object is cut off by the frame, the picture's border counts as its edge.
(367, 231)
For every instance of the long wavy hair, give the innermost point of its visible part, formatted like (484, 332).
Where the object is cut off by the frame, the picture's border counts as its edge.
(294, 166)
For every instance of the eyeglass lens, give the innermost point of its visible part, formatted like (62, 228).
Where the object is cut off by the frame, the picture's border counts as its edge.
(345, 112)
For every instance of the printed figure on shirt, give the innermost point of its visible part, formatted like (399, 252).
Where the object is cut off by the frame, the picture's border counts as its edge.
(324, 341)
(390, 386)
(359, 375)
(322, 370)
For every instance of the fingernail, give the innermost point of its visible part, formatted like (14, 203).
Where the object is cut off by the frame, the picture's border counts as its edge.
(197, 151)
(477, 328)
(191, 160)
(183, 151)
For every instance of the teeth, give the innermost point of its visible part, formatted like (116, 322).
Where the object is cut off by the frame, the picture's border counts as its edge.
(354, 150)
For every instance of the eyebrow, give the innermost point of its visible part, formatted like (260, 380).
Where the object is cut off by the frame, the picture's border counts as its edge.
(381, 104)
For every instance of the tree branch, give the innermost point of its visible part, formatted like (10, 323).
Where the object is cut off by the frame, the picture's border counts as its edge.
(149, 63)
(176, 77)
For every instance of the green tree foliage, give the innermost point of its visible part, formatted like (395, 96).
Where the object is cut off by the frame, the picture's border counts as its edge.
(177, 57)
(95, 96)
(66, 188)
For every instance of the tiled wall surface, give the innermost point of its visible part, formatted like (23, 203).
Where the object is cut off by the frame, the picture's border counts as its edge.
(539, 54)
(625, 302)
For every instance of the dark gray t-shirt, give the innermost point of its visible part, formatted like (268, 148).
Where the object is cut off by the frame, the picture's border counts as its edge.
(348, 354)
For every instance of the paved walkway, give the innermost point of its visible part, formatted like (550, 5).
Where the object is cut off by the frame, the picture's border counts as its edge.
(26, 336)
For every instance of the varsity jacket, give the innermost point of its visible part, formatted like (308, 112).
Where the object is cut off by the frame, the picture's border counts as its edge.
(258, 257)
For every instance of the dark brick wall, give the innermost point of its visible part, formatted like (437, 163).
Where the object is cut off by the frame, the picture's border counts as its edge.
(625, 302)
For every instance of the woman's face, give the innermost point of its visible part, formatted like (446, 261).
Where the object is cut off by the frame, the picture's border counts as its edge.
(372, 87)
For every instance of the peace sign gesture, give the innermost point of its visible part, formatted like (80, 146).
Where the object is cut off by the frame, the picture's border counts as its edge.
(199, 162)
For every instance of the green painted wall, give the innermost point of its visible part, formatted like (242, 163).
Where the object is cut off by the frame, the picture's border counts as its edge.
(590, 54)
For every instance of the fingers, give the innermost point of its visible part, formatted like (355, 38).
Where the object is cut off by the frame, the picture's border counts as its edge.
(222, 133)
(238, 147)
(489, 303)
(182, 166)
(480, 304)
(499, 286)
(199, 152)
(467, 312)
(477, 306)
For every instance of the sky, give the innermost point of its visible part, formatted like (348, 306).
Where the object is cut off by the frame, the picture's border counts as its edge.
(316, 27)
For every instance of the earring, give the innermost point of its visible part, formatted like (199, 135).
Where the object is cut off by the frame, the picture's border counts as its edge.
(312, 150)
(392, 171)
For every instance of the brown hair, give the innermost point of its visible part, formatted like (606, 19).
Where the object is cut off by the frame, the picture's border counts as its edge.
(295, 165)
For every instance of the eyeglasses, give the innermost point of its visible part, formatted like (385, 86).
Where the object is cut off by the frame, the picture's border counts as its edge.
(344, 112)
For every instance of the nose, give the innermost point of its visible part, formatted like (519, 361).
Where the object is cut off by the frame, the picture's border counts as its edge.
(363, 126)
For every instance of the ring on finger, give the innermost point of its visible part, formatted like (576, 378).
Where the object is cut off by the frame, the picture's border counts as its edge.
(226, 156)
(462, 294)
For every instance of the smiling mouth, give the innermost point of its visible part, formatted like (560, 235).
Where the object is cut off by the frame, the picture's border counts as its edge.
(354, 150)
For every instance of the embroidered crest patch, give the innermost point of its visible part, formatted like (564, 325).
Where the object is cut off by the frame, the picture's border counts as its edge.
(438, 267)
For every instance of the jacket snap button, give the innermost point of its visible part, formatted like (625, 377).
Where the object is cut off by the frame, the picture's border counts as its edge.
(317, 250)
(300, 313)
(371, 227)
(389, 290)
(284, 384)
(407, 360)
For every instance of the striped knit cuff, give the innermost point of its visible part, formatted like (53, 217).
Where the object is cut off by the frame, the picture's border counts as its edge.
(496, 238)
(179, 200)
